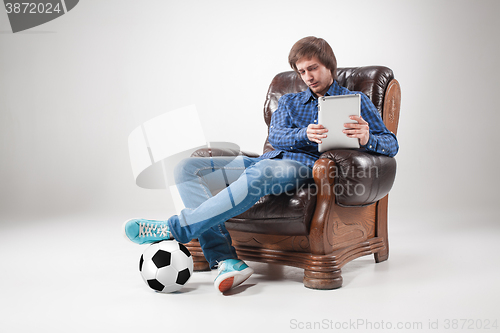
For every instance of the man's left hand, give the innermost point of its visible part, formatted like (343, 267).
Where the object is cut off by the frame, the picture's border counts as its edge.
(359, 130)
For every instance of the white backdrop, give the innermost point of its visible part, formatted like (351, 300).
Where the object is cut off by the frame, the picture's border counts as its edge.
(74, 88)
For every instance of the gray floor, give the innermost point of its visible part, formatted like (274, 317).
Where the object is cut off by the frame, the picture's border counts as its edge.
(77, 274)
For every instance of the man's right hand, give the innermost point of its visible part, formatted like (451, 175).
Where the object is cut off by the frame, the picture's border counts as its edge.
(316, 132)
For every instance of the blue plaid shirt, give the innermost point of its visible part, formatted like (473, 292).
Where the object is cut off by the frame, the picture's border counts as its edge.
(287, 132)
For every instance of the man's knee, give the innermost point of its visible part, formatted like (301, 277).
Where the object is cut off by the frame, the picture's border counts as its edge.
(190, 166)
(270, 169)
(262, 170)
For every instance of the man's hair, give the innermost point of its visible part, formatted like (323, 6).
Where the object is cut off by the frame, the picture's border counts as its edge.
(309, 47)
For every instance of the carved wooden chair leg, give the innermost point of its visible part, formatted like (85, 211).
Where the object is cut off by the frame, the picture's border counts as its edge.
(383, 254)
(200, 264)
(381, 231)
(199, 261)
(322, 280)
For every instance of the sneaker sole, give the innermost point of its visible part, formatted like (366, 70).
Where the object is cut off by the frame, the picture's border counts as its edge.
(226, 284)
(235, 279)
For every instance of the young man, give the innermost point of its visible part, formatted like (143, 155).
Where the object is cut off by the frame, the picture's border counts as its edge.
(215, 189)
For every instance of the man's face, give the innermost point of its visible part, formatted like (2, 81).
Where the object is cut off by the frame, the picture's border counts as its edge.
(315, 75)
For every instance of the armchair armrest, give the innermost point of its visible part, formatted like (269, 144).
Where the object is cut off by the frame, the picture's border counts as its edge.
(360, 178)
(213, 152)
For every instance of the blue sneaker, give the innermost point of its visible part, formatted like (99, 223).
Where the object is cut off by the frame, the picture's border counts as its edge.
(232, 272)
(142, 231)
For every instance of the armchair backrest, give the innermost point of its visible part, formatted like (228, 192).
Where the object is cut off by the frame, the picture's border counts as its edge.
(377, 82)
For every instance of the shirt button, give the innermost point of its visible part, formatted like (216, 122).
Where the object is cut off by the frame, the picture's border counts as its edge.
(383, 149)
(371, 146)
(315, 121)
(291, 147)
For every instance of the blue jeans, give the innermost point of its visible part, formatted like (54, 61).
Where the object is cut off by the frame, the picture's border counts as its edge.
(214, 189)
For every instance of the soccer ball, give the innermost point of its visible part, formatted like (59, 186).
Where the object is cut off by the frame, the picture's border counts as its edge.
(166, 266)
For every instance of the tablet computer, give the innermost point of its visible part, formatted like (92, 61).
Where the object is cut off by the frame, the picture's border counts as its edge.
(333, 113)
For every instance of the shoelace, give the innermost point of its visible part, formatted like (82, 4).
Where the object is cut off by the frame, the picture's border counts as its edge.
(146, 229)
(220, 266)
(163, 230)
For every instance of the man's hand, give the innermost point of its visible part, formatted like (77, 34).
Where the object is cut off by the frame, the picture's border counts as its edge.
(359, 130)
(316, 132)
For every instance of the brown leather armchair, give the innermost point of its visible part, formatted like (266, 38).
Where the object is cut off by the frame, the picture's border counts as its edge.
(338, 218)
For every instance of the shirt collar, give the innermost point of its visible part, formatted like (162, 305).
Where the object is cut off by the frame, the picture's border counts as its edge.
(333, 90)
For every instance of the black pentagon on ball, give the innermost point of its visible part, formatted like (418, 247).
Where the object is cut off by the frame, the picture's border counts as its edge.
(140, 263)
(156, 285)
(185, 250)
(161, 258)
(183, 276)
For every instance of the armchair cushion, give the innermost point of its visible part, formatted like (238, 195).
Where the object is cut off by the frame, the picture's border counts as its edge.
(284, 214)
